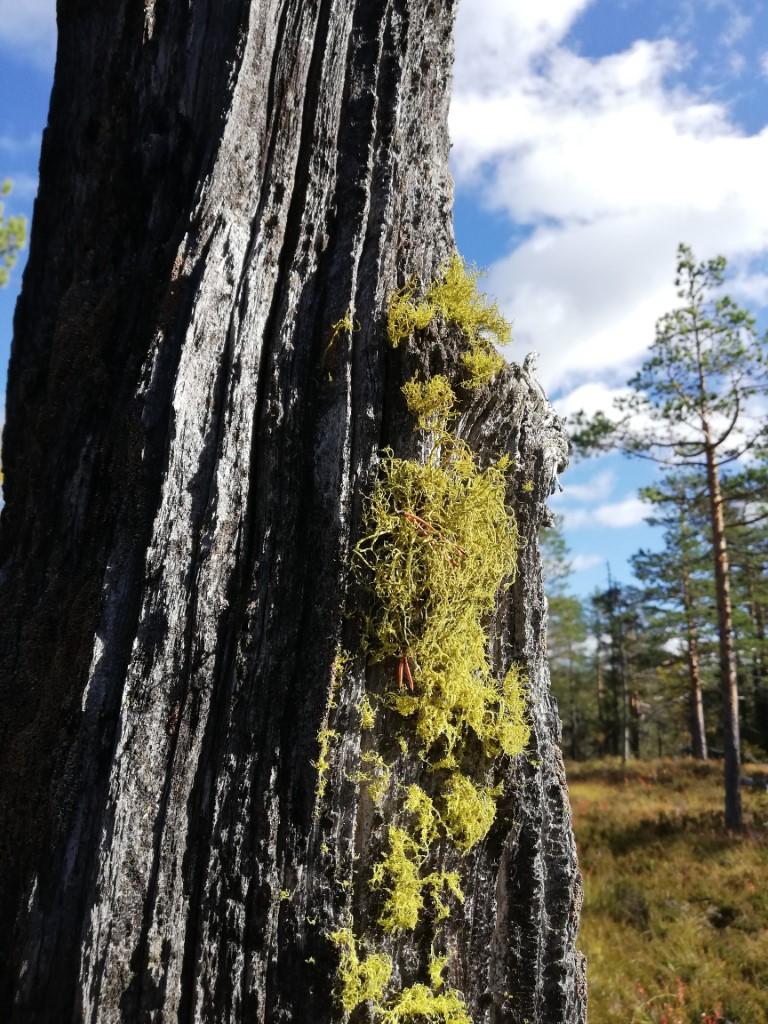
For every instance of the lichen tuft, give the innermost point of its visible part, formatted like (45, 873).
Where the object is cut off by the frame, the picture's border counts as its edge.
(398, 875)
(454, 297)
(418, 1004)
(359, 980)
(469, 811)
(439, 546)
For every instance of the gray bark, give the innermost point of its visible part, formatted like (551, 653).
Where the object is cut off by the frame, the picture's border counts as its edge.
(186, 460)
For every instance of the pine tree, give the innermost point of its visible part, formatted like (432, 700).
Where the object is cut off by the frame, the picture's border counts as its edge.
(677, 586)
(567, 634)
(747, 530)
(692, 405)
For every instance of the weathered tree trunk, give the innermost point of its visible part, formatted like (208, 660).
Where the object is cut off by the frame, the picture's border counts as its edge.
(186, 458)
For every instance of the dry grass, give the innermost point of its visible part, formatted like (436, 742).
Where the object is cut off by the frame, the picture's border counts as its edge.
(675, 923)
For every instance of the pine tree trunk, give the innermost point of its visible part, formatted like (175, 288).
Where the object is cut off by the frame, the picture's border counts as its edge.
(729, 685)
(696, 721)
(634, 723)
(187, 453)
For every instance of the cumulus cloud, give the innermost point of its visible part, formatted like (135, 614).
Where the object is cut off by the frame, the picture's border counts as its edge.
(29, 28)
(592, 397)
(610, 165)
(617, 515)
(582, 563)
(597, 488)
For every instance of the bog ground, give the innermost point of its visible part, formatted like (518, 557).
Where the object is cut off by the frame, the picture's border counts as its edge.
(675, 923)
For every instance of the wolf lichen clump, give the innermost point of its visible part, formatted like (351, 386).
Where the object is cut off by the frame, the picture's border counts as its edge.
(377, 775)
(439, 545)
(327, 737)
(431, 402)
(359, 980)
(418, 1003)
(400, 875)
(469, 810)
(454, 297)
(367, 713)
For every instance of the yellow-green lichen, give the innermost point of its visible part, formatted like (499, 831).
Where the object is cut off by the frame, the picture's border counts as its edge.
(435, 968)
(455, 297)
(440, 544)
(367, 713)
(442, 884)
(431, 402)
(511, 732)
(459, 301)
(482, 363)
(469, 810)
(418, 1004)
(359, 980)
(406, 315)
(346, 325)
(325, 739)
(376, 774)
(420, 805)
(399, 876)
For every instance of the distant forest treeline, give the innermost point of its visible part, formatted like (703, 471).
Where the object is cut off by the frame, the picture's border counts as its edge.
(635, 669)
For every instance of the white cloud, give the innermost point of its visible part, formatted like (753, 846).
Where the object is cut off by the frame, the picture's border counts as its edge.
(496, 39)
(675, 645)
(582, 563)
(610, 166)
(736, 28)
(750, 287)
(597, 488)
(617, 515)
(592, 397)
(29, 28)
(764, 64)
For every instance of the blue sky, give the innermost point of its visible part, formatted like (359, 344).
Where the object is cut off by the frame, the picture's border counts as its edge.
(590, 137)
